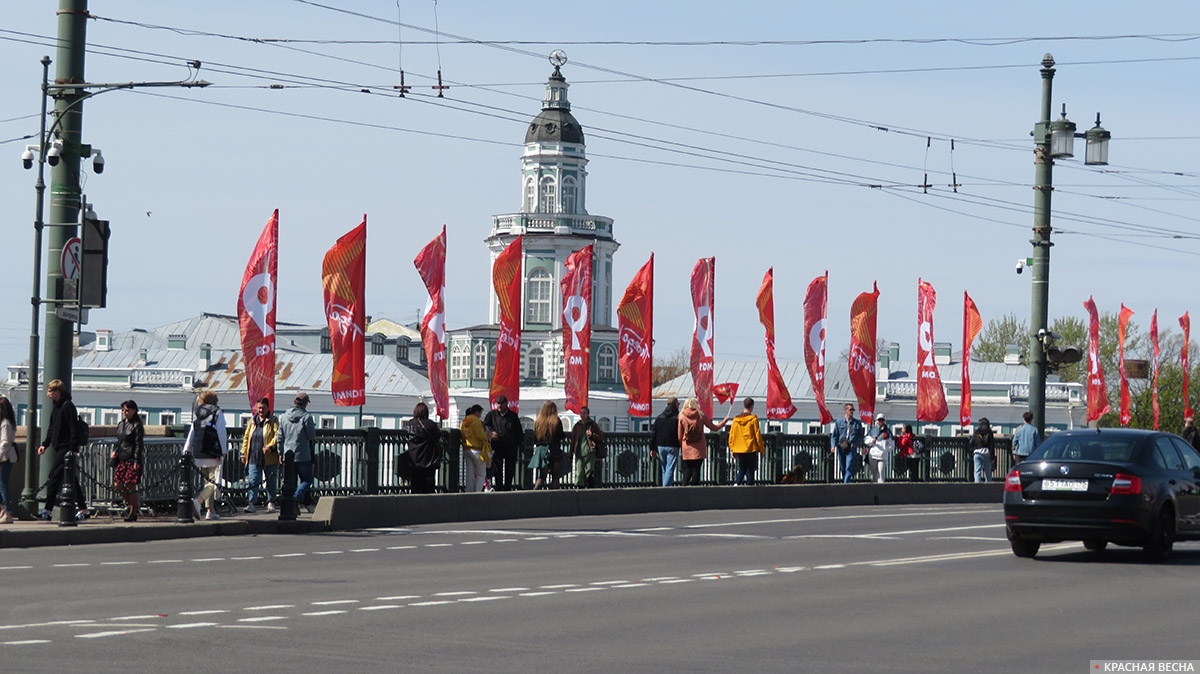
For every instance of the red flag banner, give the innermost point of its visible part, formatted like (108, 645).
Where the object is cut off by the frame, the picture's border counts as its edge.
(577, 327)
(703, 335)
(635, 327)
(816, 301)
(972, 325)
(506, 279)
(726, 392)
(1097, 391)
(863, 314)
(1122, 327)
(431, 265)
(779, 400)
(931, 397)
(256, 314)
(344, 277)
(1185, 324)
(1154, 384)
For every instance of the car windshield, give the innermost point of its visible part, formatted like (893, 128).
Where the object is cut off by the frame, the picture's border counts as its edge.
(1089, 447)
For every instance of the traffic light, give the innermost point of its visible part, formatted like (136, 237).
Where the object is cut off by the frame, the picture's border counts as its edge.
(93, 272)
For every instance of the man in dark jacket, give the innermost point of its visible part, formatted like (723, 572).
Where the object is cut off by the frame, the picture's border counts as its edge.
(587, 442)
(297, 433)
(60, 436)
(425, 450)
(504, 431)
(666, 440)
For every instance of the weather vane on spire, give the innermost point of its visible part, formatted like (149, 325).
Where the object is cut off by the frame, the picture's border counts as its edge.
(558, 58)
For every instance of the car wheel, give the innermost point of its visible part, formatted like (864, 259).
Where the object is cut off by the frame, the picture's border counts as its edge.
(1095, 546)
(1024, 548)
(1162, 538)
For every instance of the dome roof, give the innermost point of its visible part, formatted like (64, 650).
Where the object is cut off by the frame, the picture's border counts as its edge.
(554, 125)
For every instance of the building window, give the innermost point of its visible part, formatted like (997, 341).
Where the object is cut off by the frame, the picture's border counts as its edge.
(326, 344)
(546, 196)
(329, 422)
(244, 420)
(607, 363)
(377, 345)
(568, 195)
(530, 195)
(401, 349)
(166, 418)
(605, 424)
(539, 291)
(145, 419)
(111, 418)
(460, 356)
(535, 364)
(85, 417)
(480, 365)
(368, 422)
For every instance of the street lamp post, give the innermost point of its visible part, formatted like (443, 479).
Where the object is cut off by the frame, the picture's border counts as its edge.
(1052, 140)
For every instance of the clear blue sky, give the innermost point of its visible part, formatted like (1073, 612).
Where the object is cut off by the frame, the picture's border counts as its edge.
(759, 154)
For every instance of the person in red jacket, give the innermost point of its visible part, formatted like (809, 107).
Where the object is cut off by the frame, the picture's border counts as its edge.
(907, 445)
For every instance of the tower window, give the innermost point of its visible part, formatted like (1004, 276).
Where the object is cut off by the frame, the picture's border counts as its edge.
(536, 364)
(460, 357)
(606, 363)
(546, 202)
(480, 366)
(568, 195)
(530, 195)
(538, 292)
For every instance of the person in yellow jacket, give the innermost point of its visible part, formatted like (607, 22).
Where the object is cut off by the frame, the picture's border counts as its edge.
(477, 450)
(260, 455)
(746, 442)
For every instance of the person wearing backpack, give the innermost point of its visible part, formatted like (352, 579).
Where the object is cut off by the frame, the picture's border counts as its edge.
(297, 434)
(61, 437)
(746, 442)
(693, 445)
(207, 442)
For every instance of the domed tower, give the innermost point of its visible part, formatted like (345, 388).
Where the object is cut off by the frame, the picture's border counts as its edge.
(553, 216)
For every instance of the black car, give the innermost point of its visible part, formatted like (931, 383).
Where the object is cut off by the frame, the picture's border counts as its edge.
(1121, 486)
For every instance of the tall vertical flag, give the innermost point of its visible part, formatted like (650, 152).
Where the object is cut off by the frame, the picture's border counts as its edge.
(972, 324)
(344, 277)
(1122, 326)
(863, 315)
(816, 302)
(431, 265)
(779, 400)
(506, 279)
(256, 313)
(1186, 324)
(1154, 384)
(931, 398)
(703, 335)
(577, 326)
(635, 330)
(1097, 391)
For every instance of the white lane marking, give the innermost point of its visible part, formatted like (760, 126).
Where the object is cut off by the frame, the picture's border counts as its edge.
(505, 540)
(537, 538)
(114, 633)
(402, 547)
(705, 575)
(209, 559)
(750, 571)
(661, 578)
(68, 566)
(164, 561)
(472, 542)
(252, 627)
(47, 624)
(185, 626)
(269, 607)
(439, 545)
(25, 642)
(749, 536)
(401, 597)
(116, 563)
(587, 589)
(139, 617)
(365, 550)
(208, 612)
(650, 529)
(246, 559)
(432, 603)
(380, 607)
(16, 568)
(334, 602)
(631, 585)
(749, 574)
(509, 589)
(559, 587)
(536, 594)
(262, 619)
(461, 593)
(835, 518)
(989, 539)
(824, 567)
(861, 537)
(677, 580)
(321, 613)
(491, 598)
(608, 582)
(954, 556)
(329, 552)
(290, 554)
(791, 569)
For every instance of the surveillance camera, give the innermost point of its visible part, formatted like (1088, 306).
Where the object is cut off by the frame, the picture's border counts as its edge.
(98, 162)
(54, 153)
(1020, 265)
(27, 157)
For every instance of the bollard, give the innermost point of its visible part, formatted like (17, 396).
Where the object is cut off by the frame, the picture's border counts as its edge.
(288, 509)
(185, 506)
(66, 493)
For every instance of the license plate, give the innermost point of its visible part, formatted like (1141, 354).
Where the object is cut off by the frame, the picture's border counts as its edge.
(1064, 485)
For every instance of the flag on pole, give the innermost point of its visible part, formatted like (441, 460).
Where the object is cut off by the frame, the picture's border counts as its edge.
(431, 265)
(1154, 385)
(725, 392)
(1097, 390)
(779, 399)
(256, 314)
(863, 314)
(635, 330)
(816, 301)
(931, 397)
(577, 327)
(972, 325)
(1122, 326)
(344, 278)
(506, 279)
(1186, 324)
(703, 335)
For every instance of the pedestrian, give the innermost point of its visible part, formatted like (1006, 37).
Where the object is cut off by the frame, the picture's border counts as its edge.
(692, 442)
(666, 440)
(909, 451)
(548, 437)
(424, 448)
(879, 447)
(477, 451)
(506, 435)
(746, 442)
(983, 443)
(1027, 438)
(128, 457)
(297, 433)
(260, 455)
(845, 440)
(208, 443)
(586, 437)
(60, 437)
(8, 458)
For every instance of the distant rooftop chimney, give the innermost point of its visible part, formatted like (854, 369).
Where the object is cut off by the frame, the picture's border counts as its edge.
(1012, 354)
(941, 353)
(104, 340)
(205, 357)
(143, 357)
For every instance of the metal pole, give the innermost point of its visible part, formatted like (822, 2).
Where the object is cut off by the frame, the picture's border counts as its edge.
(64, 185)
(32, 430)
(1043, 185)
